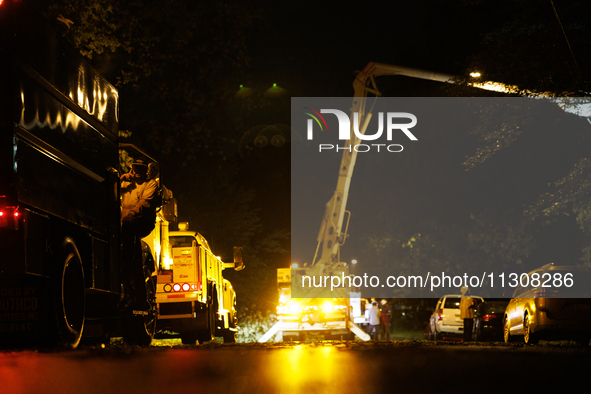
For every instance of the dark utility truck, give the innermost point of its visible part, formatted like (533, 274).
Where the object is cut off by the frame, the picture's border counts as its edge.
(60, 267)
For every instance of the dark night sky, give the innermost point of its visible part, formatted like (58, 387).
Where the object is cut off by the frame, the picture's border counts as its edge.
(315, 50)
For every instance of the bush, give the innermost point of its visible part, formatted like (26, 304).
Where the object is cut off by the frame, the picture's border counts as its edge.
(253, 324)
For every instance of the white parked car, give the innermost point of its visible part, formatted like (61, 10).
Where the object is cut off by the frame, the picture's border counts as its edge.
(445, 320)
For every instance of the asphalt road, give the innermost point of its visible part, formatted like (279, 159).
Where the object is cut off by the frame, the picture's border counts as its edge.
(311, 367)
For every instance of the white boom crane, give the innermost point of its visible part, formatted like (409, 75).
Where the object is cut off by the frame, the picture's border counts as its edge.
(331, 235)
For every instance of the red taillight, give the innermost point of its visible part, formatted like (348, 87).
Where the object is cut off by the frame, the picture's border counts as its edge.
(488, 316)
(543, 293)
(186, 287)
(9, 216)
(440, 315)
(176, 287)
(540, 293)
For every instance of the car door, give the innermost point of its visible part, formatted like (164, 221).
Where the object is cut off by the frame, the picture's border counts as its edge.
(512, 315)
(520, 307)
(523, 303)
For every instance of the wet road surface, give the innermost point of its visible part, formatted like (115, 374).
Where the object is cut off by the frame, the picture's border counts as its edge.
(311, 367)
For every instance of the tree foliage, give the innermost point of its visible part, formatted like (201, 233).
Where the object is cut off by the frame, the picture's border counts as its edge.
(537, 45)
(543, 46)
(177, 65)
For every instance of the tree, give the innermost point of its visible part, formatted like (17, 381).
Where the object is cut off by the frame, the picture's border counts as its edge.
(177, 65)
(542, 46)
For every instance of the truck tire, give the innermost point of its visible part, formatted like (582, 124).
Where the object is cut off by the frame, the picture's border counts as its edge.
(69, 295)
(207, 334)
(229, 336)
(188, 338)
(139, 329)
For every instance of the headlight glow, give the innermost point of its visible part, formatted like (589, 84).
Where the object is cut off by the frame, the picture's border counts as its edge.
(294, 307)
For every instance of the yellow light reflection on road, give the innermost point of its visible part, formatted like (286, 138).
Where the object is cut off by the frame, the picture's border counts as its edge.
(312, 370)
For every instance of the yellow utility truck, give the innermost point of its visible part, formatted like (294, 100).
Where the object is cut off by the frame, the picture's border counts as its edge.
(192, 297)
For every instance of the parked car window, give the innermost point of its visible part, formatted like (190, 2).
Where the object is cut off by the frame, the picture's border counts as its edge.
(518, 291)
(531, 287)
(452, 303)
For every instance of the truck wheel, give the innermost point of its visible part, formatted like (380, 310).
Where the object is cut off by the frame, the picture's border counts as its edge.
(229, 336)
(139, 329)
(69, 296)
(188, 338)
(208, 333)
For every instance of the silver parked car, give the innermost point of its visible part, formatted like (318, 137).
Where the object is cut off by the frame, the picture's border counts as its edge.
(545, 307)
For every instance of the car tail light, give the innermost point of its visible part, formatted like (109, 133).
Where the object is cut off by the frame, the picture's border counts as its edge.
(186, 287)
(488, 317)
(176, 287)
(440, 315)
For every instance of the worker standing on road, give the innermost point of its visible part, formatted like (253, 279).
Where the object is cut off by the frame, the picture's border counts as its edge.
(138, 215)
(467, 313)
(386, 320)
(374, 320)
